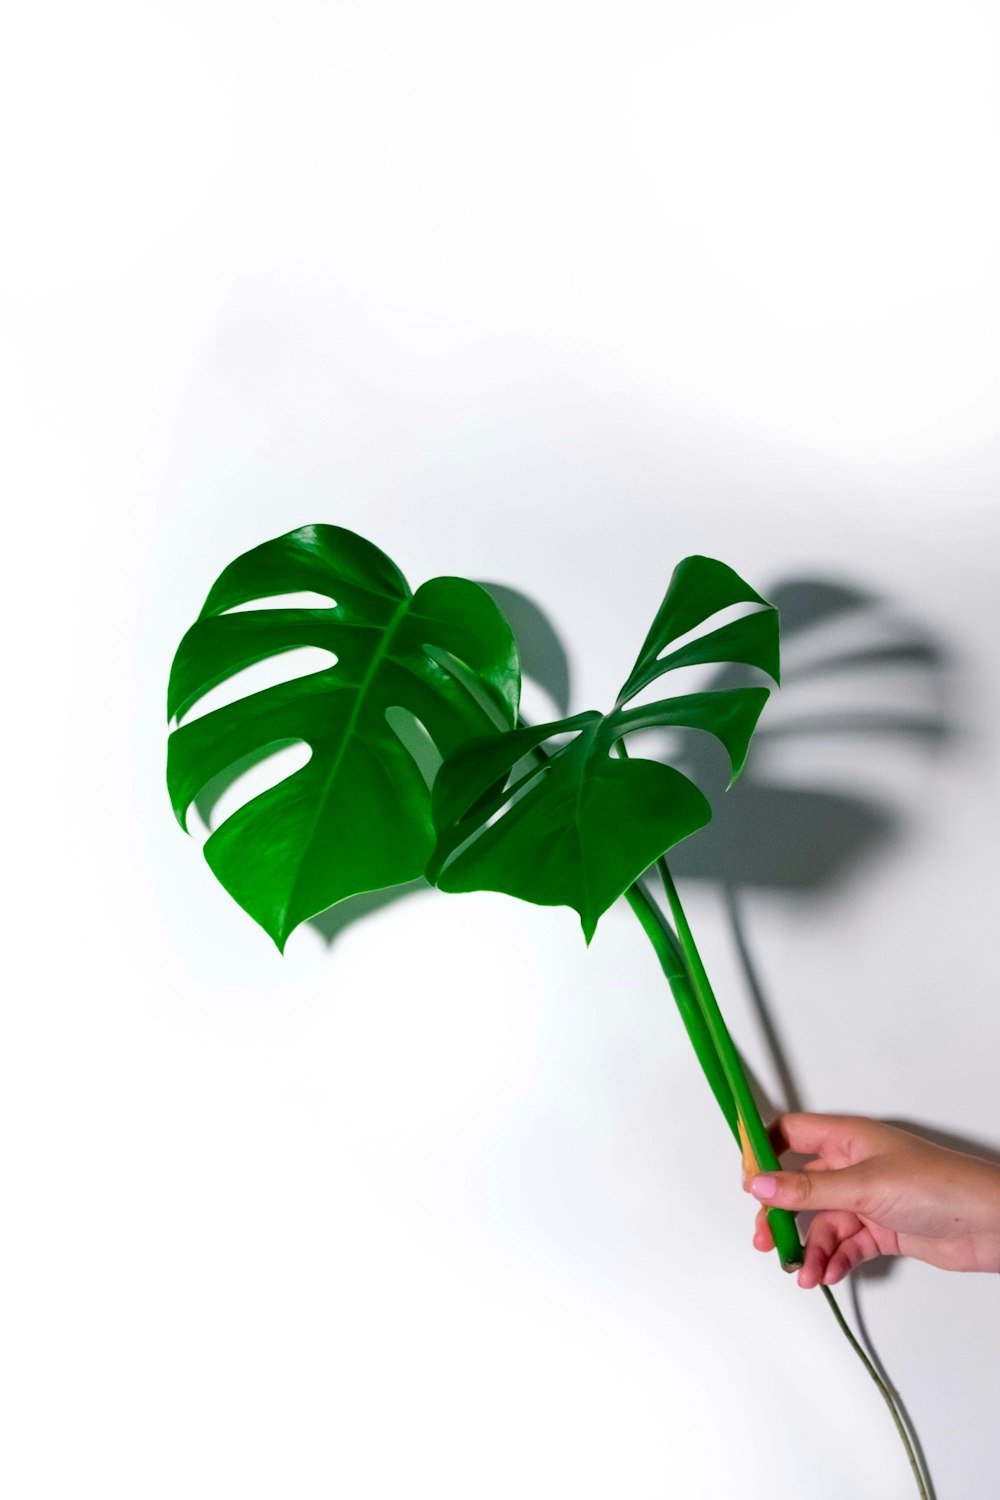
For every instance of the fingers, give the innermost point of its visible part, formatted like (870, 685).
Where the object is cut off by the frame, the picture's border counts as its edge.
(825, 1234)
(799, 1132)
(763, 1239)
(838, 1186)
(836, 1243)
(844, 1188)
(841, 1139)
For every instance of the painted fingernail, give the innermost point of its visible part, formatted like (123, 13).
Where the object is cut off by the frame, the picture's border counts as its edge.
(764, 1187)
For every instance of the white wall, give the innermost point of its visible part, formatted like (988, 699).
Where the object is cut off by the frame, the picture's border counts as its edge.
(551, 295)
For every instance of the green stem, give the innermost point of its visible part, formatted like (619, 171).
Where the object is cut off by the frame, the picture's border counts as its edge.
(717, 1052)
(883, 1388)
(713, 1043)
(672, 956)
(672, 963)
(781, 1221)
(723, 1068)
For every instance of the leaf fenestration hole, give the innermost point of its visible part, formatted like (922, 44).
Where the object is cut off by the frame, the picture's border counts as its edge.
(245, 779)
(684, 747)
(414, 738)
(304, 599)
(282, 666)
(468, 680)
(721, 617)
(524, 777)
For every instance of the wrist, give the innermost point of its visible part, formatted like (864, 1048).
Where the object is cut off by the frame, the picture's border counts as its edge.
(989, 1238)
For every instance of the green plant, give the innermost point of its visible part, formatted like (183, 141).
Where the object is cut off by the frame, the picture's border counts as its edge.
(420, 765)
(357, 816)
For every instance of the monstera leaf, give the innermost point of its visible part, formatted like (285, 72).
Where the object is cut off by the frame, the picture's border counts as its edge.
(699, 588)
(581, 822)
(357, 816)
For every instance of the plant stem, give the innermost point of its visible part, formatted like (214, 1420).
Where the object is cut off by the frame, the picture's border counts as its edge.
(717, 1052)
(782, 1222)
(883, 1388)
(676, 955)
(672, 963)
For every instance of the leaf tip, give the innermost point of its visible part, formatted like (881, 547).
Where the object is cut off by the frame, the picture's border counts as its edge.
(736, 766)
(180, 811)
(279, 935)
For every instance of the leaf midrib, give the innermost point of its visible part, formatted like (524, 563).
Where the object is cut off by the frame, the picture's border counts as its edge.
(378, 658)
(577, 818)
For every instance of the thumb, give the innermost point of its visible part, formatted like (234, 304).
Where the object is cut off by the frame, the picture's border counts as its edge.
(845, 1187)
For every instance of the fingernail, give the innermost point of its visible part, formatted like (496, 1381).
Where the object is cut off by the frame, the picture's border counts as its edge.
(764, 1187)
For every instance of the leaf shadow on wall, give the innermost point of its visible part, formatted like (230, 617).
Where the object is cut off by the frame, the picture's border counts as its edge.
(817, 840)
(855, 670)
(854, 673)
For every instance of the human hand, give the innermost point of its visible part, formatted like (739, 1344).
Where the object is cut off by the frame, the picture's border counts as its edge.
(879, 1190)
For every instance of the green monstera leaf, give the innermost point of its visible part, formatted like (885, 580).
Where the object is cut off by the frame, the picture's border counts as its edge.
(699, 588)
(357, 816)
(576, 824)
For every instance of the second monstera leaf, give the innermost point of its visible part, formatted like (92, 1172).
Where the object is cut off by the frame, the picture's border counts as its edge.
(577, 825)
(357, 816)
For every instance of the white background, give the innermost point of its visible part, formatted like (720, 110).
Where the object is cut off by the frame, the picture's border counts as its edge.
(549, 295)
